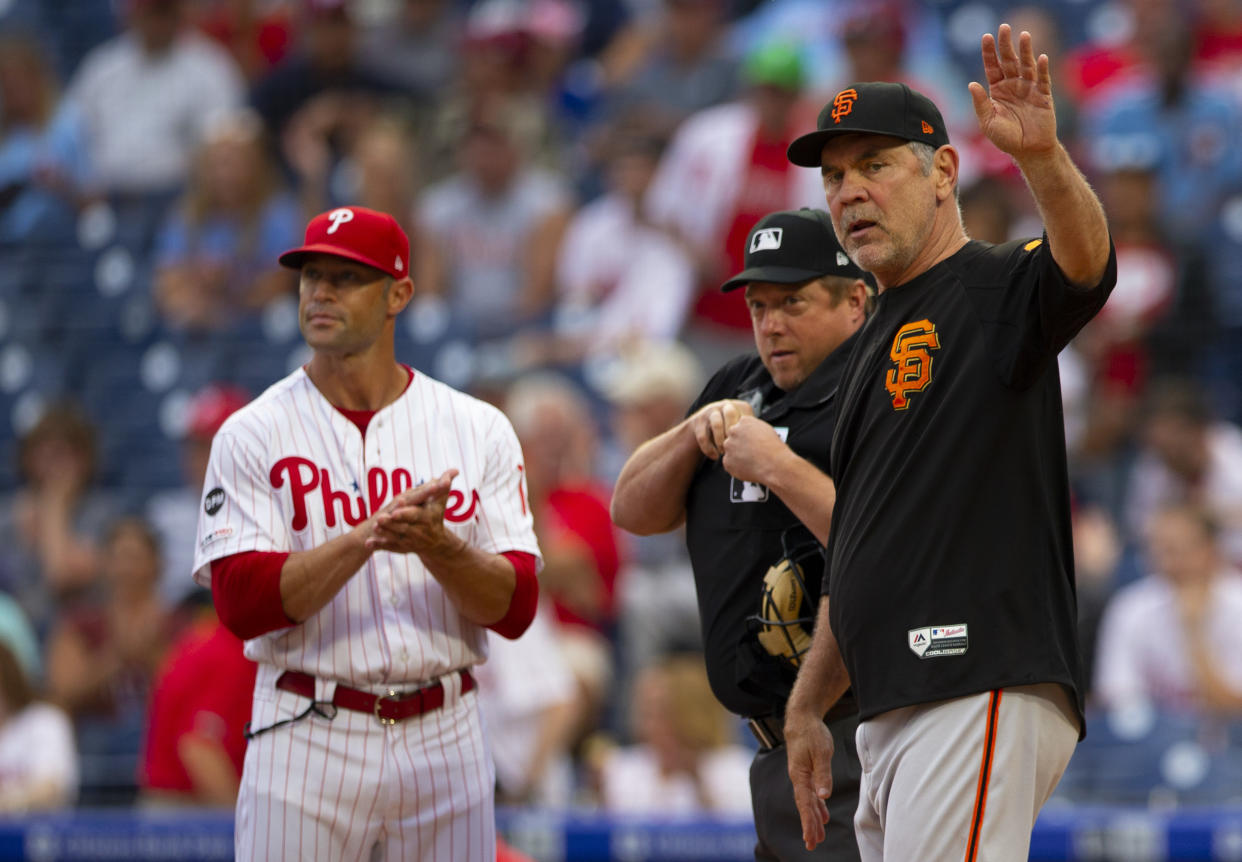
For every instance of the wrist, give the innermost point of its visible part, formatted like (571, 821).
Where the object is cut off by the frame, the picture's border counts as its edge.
(785, 470)
(357, 538)
(448, 547)
(800, 716)
(1042, 162)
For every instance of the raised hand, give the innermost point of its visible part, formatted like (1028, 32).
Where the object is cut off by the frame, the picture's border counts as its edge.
(1015, 112)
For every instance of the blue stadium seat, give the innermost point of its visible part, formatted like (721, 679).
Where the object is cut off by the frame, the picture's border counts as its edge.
(1142, 756)
(109, 751)
(73, 27)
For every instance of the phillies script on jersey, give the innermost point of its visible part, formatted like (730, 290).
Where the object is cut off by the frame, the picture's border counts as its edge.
(305, 478)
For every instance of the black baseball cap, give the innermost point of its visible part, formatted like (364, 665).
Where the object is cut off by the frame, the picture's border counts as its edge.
(790, 247)
(876, 107)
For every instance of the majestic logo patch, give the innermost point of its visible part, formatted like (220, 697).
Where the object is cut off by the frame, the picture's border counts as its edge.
(338, 217)
(842, 259)
(935, 641)
(398, 265)
(214, 501)
(768, 239)
(927, 129)
(843, 103)
(911, 351)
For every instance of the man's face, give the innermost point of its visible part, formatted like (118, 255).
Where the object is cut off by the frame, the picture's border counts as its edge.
(330, 38)
(342, 305)
(491, 158)
(797, 326)
(1180, 549)
(156, 23)
(882, 205)
(1180, 443)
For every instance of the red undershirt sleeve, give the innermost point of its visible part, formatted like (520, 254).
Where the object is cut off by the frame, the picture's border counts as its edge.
(525, 596)
(246, 591)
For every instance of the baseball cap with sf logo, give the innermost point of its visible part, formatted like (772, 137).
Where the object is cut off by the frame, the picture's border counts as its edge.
(790, 247)
(359, 234)
(872, 107)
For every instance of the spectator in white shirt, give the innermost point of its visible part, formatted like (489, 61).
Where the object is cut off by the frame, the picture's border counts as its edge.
(620, 279)
(683, 762)
(38, 761)
(1188, 456)
(1171, 640)
(149, 95)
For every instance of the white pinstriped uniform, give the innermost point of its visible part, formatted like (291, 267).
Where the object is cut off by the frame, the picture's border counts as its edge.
(288, 472)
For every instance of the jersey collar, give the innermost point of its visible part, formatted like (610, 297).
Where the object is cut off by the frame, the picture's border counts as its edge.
(817, 389)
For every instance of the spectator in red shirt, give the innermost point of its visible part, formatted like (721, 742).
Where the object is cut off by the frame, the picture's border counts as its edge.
(569, 504)
(570, 507)
(200, 705)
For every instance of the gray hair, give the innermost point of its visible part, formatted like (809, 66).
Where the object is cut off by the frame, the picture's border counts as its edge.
(925, 153)
(538, 395)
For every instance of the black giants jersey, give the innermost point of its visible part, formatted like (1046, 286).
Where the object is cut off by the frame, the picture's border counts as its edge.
(950, 560)
(734, 528)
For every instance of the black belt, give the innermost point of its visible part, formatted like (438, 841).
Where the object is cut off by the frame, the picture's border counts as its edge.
(769, 730)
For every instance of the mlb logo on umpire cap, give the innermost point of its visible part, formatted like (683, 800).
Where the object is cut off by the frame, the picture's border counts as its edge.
(362, 235)
(791, 247)
(768, 239)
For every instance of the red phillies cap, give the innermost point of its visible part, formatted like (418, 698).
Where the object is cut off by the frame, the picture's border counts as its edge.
(210, 406)
(359, 234)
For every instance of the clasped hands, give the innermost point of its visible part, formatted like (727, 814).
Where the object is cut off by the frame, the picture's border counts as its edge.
(413, 521)
(728, 431)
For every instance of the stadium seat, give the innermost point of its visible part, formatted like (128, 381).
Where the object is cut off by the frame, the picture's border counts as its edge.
(1142, 756)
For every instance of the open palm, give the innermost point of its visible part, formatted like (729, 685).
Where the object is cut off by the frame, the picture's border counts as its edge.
(1015, 113)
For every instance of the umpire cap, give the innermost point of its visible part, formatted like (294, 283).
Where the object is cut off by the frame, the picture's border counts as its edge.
(875, 107)
(790, 247)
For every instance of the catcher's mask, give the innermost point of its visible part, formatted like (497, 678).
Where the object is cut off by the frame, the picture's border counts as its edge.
(785, 615)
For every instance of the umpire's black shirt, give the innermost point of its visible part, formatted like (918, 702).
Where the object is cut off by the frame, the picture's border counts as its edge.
(950, 560)
(733, 530)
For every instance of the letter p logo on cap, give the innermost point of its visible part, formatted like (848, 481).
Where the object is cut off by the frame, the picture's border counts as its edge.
(338, 217)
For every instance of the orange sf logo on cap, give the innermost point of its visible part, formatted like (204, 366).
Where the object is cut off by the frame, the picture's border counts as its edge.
(843, 103)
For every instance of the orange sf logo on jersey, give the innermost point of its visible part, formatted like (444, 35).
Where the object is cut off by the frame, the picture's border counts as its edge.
(843, 103)
(911, 351)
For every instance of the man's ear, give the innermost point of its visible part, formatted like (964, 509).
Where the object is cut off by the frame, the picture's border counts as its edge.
(858, 297)
(399, 295)
(945, 167)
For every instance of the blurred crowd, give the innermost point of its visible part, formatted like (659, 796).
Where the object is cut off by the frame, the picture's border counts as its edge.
(577, 178)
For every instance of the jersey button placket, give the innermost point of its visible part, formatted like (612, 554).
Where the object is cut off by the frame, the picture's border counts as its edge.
(381, 569)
